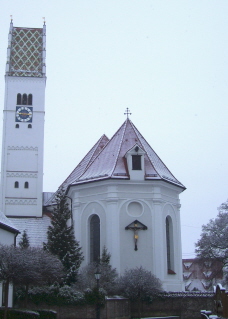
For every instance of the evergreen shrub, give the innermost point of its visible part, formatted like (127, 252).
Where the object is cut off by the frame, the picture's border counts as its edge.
(53, 295)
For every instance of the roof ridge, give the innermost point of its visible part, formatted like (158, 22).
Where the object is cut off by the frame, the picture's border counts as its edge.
(161, 176)
(138, 133)
(124, 124)
(88, 164)
(92, 150)
(106, 145)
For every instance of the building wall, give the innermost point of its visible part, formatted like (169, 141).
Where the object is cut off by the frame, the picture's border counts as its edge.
(119, 203)
(22, 150)
(6, 237)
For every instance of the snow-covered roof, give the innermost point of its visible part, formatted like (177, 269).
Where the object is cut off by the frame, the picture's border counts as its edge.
(196, 284)
(35, 227)
(187, 264)
(7, 224)
(106, 159)
(111, 162)
(81, 167)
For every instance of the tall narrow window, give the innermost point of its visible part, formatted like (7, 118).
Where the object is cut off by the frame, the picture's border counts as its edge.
(17, 125)
(94, 238)
(29, 125)
(169, 245)
(24, 99)
(30, 99)
(26, 185)
(18, 99)
(16, 184)
(136, 162)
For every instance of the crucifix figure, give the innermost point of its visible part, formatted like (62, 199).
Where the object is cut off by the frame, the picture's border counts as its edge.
(136, 226)
(127, 112)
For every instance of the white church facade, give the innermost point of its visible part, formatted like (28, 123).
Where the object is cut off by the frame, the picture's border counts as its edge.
(122, 195)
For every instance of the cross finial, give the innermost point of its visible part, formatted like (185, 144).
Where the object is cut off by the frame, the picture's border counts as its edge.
(127, 112)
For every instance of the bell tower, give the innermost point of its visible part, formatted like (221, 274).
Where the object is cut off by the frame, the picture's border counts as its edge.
(23, 123)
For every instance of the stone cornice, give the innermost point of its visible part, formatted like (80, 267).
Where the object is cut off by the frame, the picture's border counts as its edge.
(22, 174)
(21, 201)
(22, 148)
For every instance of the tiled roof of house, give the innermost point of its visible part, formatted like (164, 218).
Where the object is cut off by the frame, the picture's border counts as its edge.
(35, 227)
(7, 224)
(110, 162)
(81, 167)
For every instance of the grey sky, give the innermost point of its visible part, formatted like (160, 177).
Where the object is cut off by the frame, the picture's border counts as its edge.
(166, 60)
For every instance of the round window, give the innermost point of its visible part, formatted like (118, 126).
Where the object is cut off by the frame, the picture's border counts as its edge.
(135, 209)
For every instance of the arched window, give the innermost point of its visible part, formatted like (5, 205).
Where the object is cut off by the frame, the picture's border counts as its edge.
(26, 185)
(30, 99)
(17, 125)
(24, 99)
(18, 99)
(29, 125)
(16, 184)
(169, 245)
(94, 238)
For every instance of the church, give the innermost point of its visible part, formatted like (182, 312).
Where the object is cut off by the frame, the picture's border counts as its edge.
(122, 196)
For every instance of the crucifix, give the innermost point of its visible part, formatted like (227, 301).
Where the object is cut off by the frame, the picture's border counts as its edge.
(127, 112)
(135, 227)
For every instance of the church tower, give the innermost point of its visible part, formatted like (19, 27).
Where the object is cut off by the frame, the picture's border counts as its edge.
(23, 123)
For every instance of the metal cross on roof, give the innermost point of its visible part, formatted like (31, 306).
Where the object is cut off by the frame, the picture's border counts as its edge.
(127, 112)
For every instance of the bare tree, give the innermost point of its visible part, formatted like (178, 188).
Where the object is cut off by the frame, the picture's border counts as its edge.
(213, 243)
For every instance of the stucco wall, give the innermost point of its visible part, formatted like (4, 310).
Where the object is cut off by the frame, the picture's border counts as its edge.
(119, 203)
(6, 238)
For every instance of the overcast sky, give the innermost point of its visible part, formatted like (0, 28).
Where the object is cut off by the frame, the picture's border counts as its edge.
(166, 60)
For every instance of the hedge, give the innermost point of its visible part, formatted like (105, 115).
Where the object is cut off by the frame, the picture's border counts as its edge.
(47, 314)
(19, 314)
(28, 314)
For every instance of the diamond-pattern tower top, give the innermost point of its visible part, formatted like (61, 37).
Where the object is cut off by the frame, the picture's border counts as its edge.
(26, 52)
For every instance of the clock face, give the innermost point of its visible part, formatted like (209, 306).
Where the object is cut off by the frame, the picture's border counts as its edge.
(23, 114)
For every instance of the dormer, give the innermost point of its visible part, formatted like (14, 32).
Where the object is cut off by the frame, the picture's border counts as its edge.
(135, 162)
